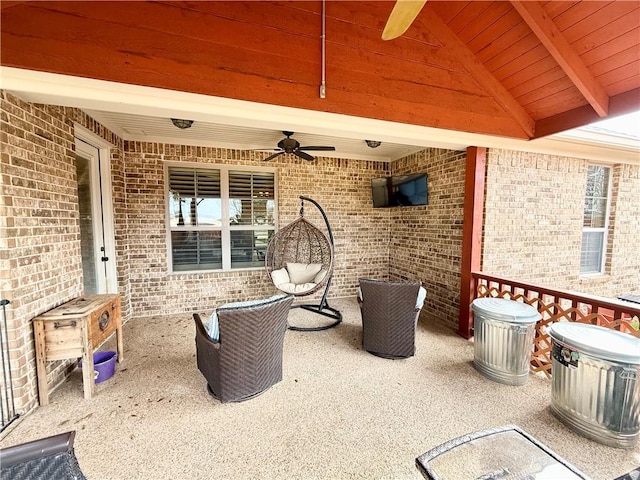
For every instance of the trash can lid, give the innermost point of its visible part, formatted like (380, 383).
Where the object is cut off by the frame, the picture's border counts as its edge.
(629, 297)
(597, 341)
(505, 310)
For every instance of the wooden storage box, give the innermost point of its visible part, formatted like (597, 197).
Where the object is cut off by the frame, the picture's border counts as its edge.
(75, 330)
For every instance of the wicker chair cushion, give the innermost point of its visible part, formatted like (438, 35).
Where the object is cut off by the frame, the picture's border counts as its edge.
(280, 277)
(213, 328)
(303, 272)
(320, 276)
(294, 288)
(308, 272)
(422, 295)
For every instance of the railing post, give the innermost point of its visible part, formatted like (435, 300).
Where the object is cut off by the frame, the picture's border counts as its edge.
(7, 402)
(474, 180)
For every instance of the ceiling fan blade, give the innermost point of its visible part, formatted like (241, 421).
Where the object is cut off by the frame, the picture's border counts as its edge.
(304, 156)
(317, 148)
(271, 157)
(402, 16)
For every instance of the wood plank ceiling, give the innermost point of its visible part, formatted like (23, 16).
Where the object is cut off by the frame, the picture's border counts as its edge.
(514, 69)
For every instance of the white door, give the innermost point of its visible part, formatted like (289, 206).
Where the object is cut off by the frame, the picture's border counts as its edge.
(96, 216)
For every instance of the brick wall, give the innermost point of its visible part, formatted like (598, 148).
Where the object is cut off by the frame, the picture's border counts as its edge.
(39, 230)
(533, 223)
(40, 259)
(341, 187)
(623, 260)
(413, 243)
(426, 242)
(532, 226)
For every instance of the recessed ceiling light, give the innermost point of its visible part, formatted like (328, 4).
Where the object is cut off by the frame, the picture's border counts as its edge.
(182, 124)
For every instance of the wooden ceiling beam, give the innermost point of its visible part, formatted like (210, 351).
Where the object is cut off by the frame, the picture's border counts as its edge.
(622, 104)
(560, 49)
(479, 72)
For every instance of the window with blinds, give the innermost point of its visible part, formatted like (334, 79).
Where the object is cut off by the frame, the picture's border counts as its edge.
(595, 220)
(220, 218)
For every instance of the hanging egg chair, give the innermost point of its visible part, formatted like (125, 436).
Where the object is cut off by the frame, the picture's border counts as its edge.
(299, 261)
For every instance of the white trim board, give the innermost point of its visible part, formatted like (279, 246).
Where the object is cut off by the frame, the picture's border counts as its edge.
(85, 93)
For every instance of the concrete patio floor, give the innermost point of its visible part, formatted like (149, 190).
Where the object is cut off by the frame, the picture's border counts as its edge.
(339, 413)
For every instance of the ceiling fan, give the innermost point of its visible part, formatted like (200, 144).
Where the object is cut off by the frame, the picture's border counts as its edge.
(402, 16)
(289, 145)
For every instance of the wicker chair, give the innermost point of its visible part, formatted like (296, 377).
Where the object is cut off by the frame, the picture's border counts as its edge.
(389, 317)
(44, 459)
(300, 243)
(248, 358)
(299, 261)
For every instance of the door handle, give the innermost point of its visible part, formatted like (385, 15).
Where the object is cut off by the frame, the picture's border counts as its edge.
(105, 259)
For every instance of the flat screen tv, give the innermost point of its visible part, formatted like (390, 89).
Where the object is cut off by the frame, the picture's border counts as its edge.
(400, 191)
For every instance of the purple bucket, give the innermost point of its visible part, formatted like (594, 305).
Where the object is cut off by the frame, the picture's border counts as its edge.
(104, 365)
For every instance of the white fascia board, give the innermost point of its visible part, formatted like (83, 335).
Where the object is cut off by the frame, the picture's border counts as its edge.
(86, 93)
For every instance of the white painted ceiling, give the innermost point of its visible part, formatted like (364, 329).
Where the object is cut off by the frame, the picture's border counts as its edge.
(158, 129)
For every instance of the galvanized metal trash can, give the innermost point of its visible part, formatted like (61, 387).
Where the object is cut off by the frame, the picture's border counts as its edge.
(503, 338)
(595, 384)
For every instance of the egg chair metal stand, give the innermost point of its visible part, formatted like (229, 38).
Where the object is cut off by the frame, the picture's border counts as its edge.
(302, 243)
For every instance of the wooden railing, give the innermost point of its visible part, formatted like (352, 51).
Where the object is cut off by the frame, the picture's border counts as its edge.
(559, 305)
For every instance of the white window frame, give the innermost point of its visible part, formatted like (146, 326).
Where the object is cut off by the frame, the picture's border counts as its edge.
(604, 230)
(225, 227)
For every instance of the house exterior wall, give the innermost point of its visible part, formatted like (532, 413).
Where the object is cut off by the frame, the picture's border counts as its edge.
(426, 242)
(533, 218)
(39, 230)
(623, 246)
(40, 259)
(532, 201)
(341, 187)
(422, 243)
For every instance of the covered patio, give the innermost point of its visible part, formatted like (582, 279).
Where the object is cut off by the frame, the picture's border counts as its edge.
(478, 96)
(338, 413)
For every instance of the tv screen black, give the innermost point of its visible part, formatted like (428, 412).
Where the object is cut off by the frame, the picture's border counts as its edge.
(400, 191)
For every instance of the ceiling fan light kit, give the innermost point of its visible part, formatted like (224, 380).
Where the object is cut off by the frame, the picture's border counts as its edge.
(182, 124)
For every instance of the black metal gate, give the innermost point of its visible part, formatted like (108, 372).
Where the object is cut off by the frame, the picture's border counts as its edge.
(7, 403)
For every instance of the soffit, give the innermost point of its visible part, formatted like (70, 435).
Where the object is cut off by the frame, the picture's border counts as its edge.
(160, 129)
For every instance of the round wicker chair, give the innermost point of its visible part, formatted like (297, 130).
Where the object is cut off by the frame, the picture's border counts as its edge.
(299, 261)
(302, 243)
